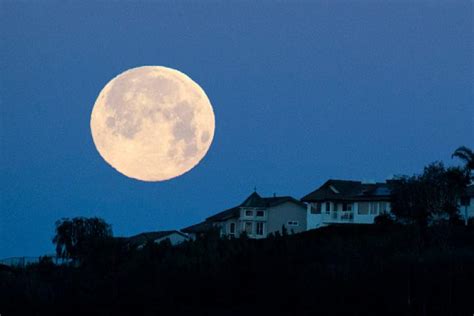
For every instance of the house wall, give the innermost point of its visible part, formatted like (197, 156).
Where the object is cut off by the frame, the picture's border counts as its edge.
(273, 220)
(323, 219)
(174, 238)
(253, 219)
(239, 225)
(469, 210)
(281, 214)
(192, 236)
(225, 227)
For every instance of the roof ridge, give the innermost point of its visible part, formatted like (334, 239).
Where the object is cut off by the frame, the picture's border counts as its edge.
(342, 180)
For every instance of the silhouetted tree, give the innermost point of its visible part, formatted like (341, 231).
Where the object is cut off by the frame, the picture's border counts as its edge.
(284, 230)
(467, 156)
(433, 195)
(384, 219)
(76, 238)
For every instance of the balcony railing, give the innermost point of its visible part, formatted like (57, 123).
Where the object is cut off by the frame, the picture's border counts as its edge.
(339, 217)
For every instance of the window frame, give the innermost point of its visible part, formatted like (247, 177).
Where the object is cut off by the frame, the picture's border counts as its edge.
(316, 208)
(347, 207)
(251, 228)
(257, 226)
(232, 228)
(374, 208)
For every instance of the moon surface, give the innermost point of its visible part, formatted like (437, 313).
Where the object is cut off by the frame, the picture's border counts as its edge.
(152, 123)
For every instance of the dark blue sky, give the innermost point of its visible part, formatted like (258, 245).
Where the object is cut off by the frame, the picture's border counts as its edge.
(301, 93)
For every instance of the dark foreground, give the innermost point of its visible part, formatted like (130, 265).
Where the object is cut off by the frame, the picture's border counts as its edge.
(351, 270)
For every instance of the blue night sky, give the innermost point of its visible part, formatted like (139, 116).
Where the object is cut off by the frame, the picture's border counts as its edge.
(301, 93)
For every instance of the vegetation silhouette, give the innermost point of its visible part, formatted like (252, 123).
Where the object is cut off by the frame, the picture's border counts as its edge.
(466, 155)
(347, 269)
(80, 237)
(416, 261)
(431, 196)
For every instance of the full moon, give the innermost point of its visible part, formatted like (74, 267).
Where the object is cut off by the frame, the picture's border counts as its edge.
(152, 123)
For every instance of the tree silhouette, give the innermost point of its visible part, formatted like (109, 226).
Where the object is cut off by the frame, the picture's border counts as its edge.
(467, 156)
(430, 196)
(76, 238)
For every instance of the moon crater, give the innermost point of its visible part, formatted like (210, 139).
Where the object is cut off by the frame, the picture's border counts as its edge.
(152, 123)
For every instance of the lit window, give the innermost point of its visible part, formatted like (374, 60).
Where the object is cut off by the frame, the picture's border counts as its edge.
(249, 213)
(260, 213)
(259, 229)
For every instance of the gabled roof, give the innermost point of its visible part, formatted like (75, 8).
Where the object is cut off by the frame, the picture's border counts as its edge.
(277, 200)
(198, 228)
(143, 238)
(224, 215)
(254, 200)
(348, 190)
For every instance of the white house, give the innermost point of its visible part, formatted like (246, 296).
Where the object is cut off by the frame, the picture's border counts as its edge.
(343, 201)
(467, 204)
(175, 237)
(257, 216)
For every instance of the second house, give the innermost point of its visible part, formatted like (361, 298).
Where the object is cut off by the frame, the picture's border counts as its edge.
(258, 217)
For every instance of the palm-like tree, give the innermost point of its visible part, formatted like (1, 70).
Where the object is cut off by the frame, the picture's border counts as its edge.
(467, 156)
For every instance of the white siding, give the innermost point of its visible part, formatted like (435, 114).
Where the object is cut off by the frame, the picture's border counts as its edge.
(337, 215)
(174, 238)
(469, 210)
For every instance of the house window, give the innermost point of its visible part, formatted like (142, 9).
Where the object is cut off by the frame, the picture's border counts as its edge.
(260, 213)
(363, 208)
(249, 213)
(293, 223)
(232, 228)
(259, 229)
(328, 207)
(346, 207)
(374, 208)
(248, 228)
(316, 208)
(382, 207)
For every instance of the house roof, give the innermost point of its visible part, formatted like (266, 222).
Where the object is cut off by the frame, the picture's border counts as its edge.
(224, 215)
(348, 190)
(197, 228)
(254, 200)
(143, 238)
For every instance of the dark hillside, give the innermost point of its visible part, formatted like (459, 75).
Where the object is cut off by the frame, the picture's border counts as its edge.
(350, 270)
